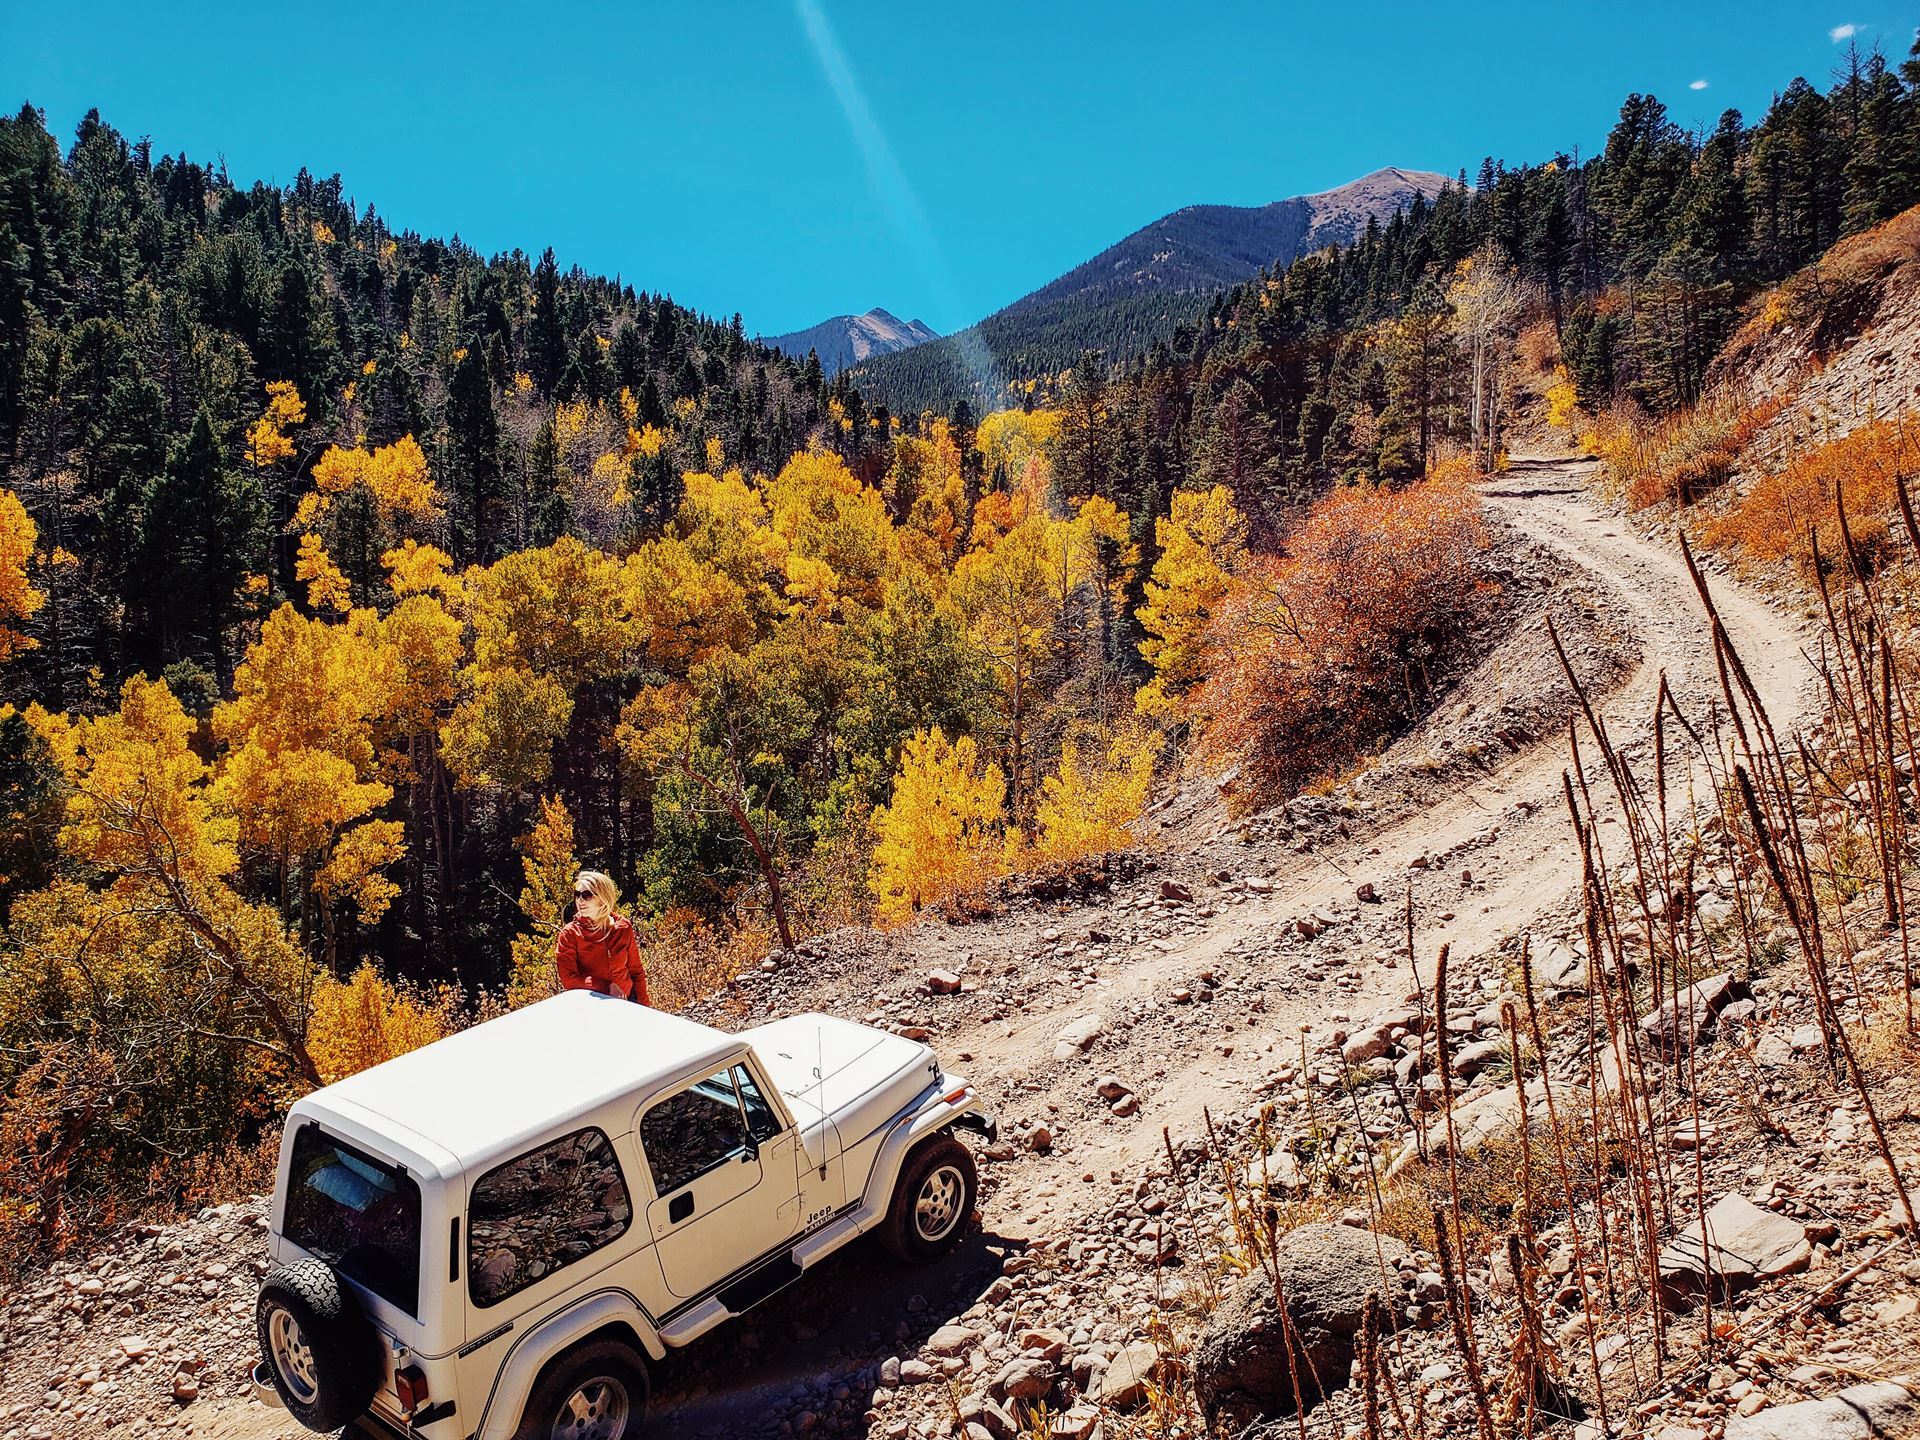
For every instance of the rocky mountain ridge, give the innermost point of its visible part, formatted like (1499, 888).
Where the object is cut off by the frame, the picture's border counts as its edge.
(849, 339)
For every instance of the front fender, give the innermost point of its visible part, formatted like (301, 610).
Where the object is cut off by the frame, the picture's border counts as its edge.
(532, 1352)
(948, 1102)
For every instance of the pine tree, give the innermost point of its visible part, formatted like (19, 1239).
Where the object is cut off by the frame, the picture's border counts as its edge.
(474, 475)
(201, 538)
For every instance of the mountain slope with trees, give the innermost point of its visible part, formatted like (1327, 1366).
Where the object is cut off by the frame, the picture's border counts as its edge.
(355, 588)
(1136, 292)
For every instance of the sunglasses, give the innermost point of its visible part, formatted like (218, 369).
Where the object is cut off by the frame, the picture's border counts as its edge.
(583, 894)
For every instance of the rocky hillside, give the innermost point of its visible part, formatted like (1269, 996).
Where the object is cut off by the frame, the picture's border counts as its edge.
(1211, 247)
(849, 339)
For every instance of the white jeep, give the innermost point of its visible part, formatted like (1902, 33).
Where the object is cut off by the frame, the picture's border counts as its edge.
(491, 1236)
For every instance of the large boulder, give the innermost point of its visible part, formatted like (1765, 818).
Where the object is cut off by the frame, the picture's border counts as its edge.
(1241, 1370)
(1738, 1245)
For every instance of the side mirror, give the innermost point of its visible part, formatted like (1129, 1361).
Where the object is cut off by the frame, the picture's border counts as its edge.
(750, 1150)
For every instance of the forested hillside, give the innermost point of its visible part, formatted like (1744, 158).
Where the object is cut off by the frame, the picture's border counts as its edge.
(1137, 292)
(1613, 280)
(148, 300)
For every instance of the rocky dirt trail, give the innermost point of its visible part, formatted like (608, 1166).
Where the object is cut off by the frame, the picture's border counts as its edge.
(1227, 961)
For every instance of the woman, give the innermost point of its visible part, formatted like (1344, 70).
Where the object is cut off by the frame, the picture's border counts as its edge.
(596, 949)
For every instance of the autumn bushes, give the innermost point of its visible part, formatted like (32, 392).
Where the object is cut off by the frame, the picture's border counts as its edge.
(1788, 507)
(1681, 456)
(1320, 653)
(946, 832)
(1794, 511)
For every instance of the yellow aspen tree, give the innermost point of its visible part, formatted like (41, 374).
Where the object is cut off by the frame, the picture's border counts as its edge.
(18, 599)
(1088, 806)
(1202, 541)
(366, 1020)
(548, 862)
(939, 836)
(141, 814)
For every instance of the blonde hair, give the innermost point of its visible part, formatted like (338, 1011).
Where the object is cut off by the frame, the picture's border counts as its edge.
(602, 886)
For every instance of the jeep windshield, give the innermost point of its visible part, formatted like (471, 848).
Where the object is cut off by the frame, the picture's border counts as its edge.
(358, 1213)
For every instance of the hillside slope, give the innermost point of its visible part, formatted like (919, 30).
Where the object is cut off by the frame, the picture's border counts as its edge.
(1839, 341)
(849, 339)
(1463, 817)
(1136, 292)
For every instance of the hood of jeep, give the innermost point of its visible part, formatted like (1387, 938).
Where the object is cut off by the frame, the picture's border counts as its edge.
(853, 1074)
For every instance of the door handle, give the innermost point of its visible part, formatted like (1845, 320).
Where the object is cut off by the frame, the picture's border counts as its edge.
(680, 1207)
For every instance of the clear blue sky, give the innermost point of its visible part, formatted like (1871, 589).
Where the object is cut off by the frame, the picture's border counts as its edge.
(794, 159)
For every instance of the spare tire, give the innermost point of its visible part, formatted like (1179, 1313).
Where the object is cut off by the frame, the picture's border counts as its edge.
(320, 1348)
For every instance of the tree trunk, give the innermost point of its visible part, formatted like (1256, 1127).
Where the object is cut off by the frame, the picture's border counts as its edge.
(768, 871)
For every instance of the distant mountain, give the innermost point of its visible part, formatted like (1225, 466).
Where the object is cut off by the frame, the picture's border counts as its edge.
(848, 339)
(1136, 292)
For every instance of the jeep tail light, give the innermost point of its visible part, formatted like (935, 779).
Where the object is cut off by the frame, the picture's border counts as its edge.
(410, 1386)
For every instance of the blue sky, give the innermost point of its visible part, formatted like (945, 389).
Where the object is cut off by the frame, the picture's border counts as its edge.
(793, 159)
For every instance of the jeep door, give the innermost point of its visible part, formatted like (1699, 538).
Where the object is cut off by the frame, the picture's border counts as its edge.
(726, 1186)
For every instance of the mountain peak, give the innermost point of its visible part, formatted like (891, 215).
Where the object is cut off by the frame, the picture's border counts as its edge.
(848, 339)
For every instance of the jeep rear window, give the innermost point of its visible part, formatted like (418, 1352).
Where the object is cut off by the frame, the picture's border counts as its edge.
(359, 1214)
(542, 1211)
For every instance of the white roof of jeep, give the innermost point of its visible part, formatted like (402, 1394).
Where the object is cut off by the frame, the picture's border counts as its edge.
(493, 1088)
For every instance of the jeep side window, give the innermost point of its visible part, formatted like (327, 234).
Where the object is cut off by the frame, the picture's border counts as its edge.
(542, 1211)
(688, 1134)
(762, 1123)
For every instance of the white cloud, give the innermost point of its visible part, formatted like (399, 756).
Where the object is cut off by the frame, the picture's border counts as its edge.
(1698, 85)
(1843, 32)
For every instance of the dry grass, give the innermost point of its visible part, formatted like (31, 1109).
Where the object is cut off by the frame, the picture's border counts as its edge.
(1679, 458)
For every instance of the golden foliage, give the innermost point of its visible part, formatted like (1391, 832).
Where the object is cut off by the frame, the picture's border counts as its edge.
(1010, 441)
(1784, 514)
(267, 440)
(1088, 806)
(327, 588)
(366, 1020)
(548, 862)
(394, 477)
(416, 569)
(1202, 541)
(1561, 400)
(939, 837)
(1683, 455)
(18, 598)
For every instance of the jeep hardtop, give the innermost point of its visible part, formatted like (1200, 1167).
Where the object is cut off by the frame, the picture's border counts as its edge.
(491, 1236)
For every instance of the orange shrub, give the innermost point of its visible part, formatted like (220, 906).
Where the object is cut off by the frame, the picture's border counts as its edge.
(687, 957)
(1779, 517)
(1319, 653)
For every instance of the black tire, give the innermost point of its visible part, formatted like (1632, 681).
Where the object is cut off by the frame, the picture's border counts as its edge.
(927, 1218)
(620, 1376)
(319, 1346)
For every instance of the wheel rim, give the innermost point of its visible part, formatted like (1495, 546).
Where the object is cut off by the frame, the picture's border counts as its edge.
(292, 1356)
(596, 1410)
(936, 1209)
